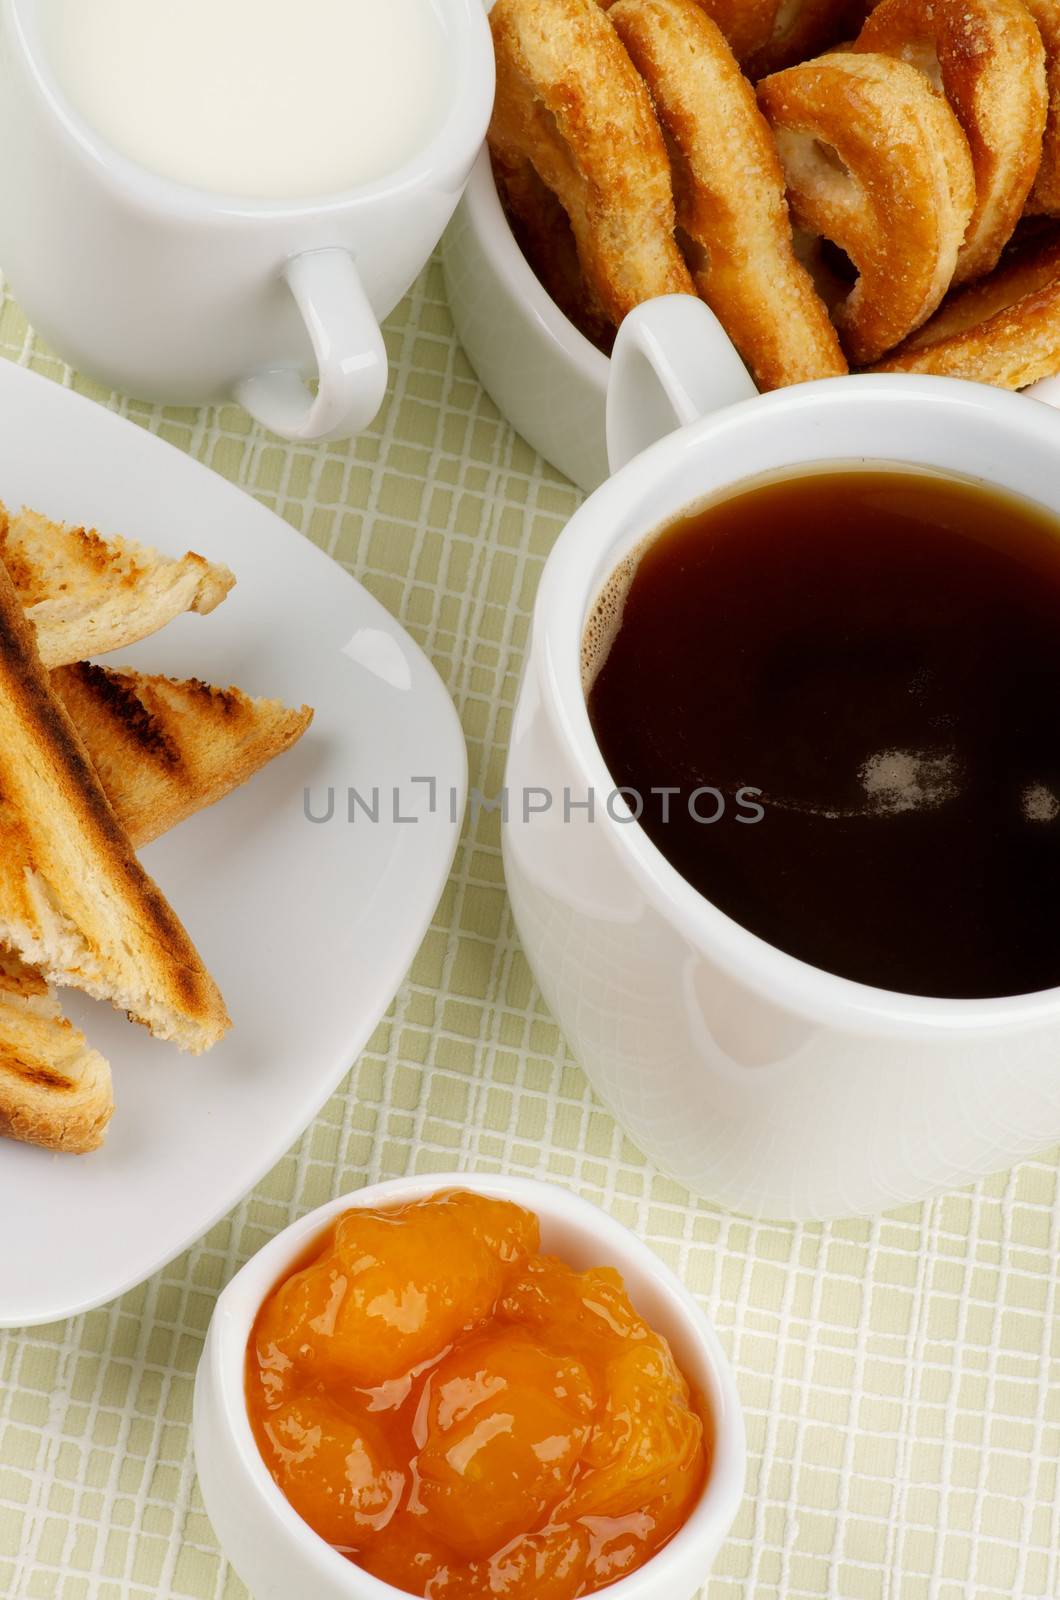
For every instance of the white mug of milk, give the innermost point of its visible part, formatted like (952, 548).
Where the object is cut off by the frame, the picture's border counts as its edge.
(202, 199)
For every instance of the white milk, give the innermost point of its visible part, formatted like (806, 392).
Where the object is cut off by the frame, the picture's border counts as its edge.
(271, 99)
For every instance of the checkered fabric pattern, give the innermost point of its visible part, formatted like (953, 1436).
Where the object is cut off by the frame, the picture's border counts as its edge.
(901, 1377)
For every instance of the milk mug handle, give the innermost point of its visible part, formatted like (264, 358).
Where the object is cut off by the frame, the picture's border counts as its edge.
(672, 363)
(349, 350)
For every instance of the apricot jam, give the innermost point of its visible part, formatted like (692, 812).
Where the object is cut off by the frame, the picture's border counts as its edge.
(466, 1418)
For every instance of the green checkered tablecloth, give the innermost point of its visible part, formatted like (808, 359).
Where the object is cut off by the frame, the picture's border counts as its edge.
(901, 1377)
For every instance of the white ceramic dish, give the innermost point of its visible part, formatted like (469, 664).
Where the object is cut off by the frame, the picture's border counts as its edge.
(540, 372)
(308, 928)
(279, 1557)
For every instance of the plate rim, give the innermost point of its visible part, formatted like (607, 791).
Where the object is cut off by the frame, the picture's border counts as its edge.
(393, 972)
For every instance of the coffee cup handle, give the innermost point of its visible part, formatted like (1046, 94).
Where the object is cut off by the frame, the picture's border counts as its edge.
(349, 350)
(672, 363)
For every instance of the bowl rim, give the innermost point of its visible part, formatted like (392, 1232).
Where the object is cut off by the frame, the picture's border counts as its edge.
(481, 205)
(237, 1306)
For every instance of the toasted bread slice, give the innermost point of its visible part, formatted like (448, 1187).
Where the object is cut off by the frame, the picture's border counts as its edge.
(87, 595)
(54, 1090)
(74, 900)
(162, 751)
(165, 749)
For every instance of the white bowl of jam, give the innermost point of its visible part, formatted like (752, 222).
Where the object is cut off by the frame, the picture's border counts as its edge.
(462, 1386)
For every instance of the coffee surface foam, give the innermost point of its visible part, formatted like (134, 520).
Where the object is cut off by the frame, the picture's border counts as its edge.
(605, 619)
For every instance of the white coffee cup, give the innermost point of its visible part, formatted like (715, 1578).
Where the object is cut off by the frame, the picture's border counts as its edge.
(173, 294)
(759, 1081)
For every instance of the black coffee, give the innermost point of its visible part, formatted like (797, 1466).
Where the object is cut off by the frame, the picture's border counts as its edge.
(878, 653)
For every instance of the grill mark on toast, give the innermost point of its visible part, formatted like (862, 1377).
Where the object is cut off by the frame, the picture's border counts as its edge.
(229, 700)
(29, 685)
(35, 1073)
(117, 697)
(42, 708)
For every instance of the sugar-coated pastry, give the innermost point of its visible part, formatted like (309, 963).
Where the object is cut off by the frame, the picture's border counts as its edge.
(729, 191)
(1003, 329)
(877, 164)
(1045, 196)
(987, 56)
(570, 102)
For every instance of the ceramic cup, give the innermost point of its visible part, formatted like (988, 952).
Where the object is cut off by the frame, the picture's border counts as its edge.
(755, 1079)
(176, 295)
(279, 1557)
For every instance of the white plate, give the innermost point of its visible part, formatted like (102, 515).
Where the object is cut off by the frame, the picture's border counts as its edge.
(308, 928)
